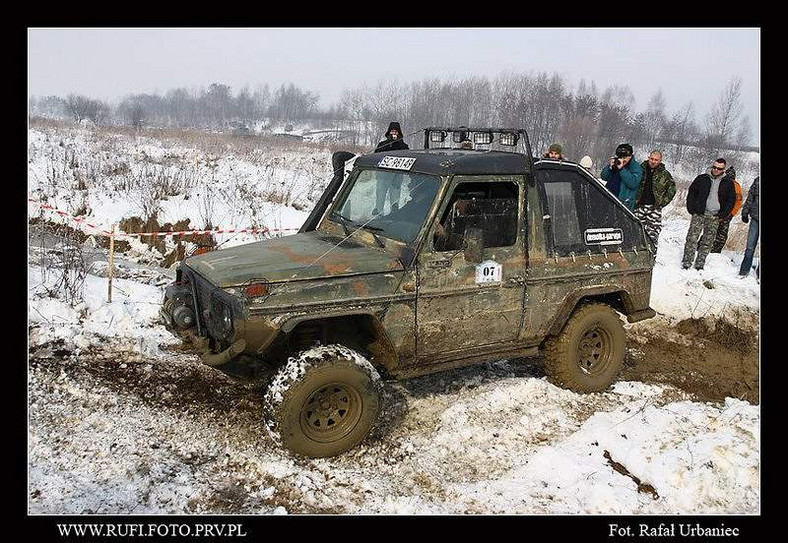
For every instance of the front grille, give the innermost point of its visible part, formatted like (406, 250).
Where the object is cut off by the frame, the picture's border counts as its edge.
(211, 301)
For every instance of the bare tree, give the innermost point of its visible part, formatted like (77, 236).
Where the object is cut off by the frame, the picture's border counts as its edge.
(579, 123)
(132, 111)
(79, 107)
(291, 103)
(724, 120)
(653, 119)
(680, 130)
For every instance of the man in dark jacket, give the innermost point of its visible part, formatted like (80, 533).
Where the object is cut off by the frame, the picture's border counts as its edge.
(710, 198)
(623, 175)
(393, 140)
(749, 214)
(655, 192)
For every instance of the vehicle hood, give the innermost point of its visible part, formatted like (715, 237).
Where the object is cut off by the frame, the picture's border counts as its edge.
(310, 255)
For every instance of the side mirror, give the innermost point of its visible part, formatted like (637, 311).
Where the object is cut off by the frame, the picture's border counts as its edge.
(473, 246)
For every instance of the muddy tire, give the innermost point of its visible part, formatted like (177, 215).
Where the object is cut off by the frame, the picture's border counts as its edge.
(589, 352)
(323, 402)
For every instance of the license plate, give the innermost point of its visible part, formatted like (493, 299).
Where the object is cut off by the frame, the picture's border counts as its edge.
(396, 162)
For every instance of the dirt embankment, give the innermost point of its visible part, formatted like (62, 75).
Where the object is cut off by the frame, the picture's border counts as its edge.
(710, 359)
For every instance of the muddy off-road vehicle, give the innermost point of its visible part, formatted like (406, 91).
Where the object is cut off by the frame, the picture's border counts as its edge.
(418, 261)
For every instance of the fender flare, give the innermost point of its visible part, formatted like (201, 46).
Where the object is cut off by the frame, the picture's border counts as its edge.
(571, 302)
(385, 354)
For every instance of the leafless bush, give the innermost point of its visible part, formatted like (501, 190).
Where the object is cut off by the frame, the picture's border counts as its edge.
(317, 173)
(77, 204)
(206, 204)
(62, 262)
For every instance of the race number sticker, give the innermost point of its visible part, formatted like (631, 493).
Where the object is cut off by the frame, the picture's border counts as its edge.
(488, 271)
(396, 162)
(604, 236)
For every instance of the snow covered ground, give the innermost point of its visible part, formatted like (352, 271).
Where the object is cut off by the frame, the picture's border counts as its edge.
(120, 421)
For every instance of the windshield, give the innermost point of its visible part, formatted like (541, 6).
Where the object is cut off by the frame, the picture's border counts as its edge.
(391, 204)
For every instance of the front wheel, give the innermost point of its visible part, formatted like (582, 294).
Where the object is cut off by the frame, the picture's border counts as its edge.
(323, 402)
(588, 354)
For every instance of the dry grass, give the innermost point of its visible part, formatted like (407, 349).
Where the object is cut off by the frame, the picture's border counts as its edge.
(209, 142)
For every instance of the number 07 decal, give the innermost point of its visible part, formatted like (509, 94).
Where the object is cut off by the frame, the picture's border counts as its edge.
(488, 271)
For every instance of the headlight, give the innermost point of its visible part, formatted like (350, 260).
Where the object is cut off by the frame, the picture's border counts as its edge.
(227, 318)
(484, 138)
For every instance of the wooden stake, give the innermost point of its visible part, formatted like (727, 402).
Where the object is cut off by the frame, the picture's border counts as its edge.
(111, 261)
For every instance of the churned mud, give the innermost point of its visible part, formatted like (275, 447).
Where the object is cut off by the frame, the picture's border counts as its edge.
(710, 359)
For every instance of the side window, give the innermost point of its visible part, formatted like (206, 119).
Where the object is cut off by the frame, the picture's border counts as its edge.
(563, 213)
(491, 206)
(584, 216)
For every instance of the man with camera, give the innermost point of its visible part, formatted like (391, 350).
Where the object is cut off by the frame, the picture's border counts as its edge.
(623, 175)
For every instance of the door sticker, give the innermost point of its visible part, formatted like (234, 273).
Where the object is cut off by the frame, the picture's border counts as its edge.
(488, 271)
(604, 236)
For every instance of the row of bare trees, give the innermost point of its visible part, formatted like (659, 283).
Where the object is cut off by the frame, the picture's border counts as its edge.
(584, 119)
(214, 107)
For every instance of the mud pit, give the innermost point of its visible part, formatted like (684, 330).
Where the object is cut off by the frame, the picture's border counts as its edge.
(113, 431)
(710, 359)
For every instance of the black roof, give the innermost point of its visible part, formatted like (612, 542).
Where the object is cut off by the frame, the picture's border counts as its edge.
(455, 161)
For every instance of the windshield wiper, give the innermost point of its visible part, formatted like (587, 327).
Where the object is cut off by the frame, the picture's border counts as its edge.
(372, 230)
(344, 222)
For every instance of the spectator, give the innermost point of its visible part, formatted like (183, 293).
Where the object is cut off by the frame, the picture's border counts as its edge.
(722, 230)
(623, 175)
(711, 196)
(586, 163)
(393, 140)
(749, 214)
(555, 152)
(655, 192)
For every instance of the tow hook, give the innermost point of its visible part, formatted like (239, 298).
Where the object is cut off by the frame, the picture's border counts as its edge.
(226, 355)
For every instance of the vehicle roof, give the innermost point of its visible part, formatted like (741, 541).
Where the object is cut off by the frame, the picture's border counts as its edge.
(455, 161)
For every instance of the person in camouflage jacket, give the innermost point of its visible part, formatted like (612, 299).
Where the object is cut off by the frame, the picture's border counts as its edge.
(656, 190)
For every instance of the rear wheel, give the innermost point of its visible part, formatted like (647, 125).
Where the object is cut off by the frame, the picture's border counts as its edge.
(589, 352)
(323, 402)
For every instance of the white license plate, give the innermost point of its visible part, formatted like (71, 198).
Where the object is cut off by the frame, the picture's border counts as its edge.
(396, 162)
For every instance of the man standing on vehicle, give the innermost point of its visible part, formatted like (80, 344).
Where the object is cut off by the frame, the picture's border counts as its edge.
(393, 140)
(623, 175)
(656, 191)
(710, 197)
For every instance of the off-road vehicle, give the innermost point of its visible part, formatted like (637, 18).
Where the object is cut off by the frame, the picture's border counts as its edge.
(418, 261)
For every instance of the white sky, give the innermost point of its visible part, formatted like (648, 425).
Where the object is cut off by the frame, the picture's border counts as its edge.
(686, 63)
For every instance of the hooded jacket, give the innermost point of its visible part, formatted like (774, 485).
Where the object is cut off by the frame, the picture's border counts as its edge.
(662, 185)
(389, 143)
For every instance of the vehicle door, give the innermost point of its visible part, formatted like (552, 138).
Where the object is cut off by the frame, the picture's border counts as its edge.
(463, 304)
(587, 241)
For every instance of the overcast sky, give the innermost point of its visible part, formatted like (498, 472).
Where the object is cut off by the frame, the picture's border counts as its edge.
(686, 63)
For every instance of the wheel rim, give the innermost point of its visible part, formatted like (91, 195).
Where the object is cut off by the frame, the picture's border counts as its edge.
(331, 412)
(595, 351)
